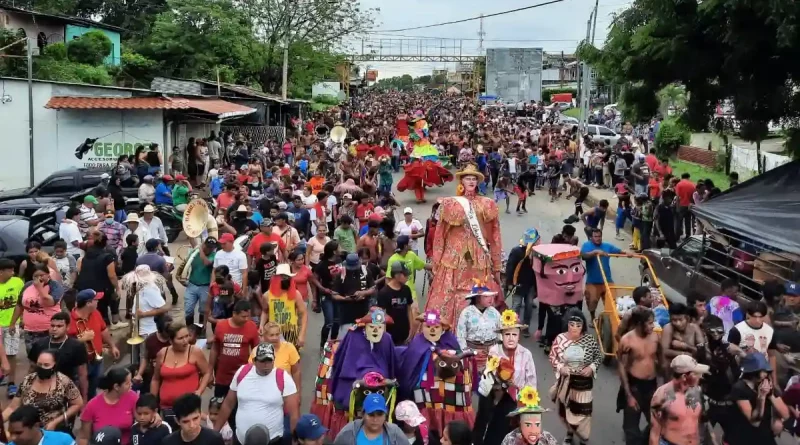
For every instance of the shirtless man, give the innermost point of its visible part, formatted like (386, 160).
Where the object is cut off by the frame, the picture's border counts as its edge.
(679, 336)
(677, 406)
(637, 363)
(643, 298)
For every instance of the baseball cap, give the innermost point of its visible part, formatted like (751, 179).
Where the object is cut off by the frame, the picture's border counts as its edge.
(167, 178)
(402, 241)
(266, 222)
(683, 364)
(241, 208)
(180, 178)
(407, 411)
(90, 198)
(107, 435)
(309, 427)
(754, 362)
(264, 352)
(88, 295)
(105, 176)
(282, 205)
(347, 196)
(792, 288)
(398, 267)
(407, 210)
(212, 242)
(374, 403)
(109, 212)
(226, 238)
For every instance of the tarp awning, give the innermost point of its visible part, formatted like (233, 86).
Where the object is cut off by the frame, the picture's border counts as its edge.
(220, 108)
(765, 209)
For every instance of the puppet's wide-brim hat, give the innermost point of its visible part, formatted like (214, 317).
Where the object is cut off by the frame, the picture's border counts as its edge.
(528, 400)
(470, 170)
(433, 317)
(510, 320)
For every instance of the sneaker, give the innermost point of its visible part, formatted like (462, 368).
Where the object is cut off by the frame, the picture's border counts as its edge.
(12, 390)
(119, 325)
(619, 237)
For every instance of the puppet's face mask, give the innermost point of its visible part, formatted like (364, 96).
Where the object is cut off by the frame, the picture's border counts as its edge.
(374, 332)
(530, 425)
(432, 333)
(511, 338)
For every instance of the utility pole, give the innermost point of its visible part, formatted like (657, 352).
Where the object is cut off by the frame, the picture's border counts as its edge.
(594, 25)
(285, 73)
(584, 93)
(481, 34)
(29, 46)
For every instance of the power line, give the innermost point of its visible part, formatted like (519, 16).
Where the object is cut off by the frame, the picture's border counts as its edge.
(414, 37)
(473, 18)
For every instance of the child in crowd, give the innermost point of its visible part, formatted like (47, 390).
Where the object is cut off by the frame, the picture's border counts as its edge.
(214, 406)
(266, 265)
(143, 432)
(66, 265)
(346, 235)
(623, 207)
(129, 254)
(503, 191)
(636, 218)
(223, 293)
(253, 295)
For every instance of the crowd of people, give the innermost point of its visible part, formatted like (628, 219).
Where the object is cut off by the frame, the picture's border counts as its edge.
(311, 226)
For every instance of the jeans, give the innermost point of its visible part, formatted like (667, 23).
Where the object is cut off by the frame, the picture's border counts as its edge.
(194, 295)
(641, 189)
(522, 304)
(396, 163)
(683, 222)
(329, 325)
(93, 372)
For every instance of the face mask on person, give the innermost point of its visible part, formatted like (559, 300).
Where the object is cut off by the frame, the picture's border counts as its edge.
(44, 373)
(109, 220)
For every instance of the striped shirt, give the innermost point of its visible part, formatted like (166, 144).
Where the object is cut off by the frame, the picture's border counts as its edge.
(114, 232)
(87, 215)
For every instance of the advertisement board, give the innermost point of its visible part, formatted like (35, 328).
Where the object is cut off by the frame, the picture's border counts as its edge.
(372, 75)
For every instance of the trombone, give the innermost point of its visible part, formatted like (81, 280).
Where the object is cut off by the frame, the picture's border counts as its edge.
(81, 326)
(135, 338)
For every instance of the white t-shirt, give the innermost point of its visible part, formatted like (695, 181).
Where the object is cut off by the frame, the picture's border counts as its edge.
(149, 299)
(260, 402)
(404, 228)
(236, 260)
(68, 231)
(309, 200)
(332, 202)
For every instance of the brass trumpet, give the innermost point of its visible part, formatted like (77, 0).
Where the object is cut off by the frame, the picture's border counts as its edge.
(135, 339)
(81, 326)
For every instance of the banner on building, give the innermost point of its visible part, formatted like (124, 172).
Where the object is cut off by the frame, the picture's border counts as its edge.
(372, 75)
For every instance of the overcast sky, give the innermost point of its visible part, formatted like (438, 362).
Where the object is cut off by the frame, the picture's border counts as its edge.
(555, 28)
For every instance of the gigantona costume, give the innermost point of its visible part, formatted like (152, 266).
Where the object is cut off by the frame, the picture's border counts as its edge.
(467, 246)
(424, 168)
(432, 373)
(559, 274)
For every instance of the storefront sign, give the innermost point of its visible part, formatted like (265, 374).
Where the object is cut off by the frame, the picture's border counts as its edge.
(105, 154)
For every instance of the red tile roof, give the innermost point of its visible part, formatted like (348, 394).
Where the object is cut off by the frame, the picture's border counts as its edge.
(217, 107)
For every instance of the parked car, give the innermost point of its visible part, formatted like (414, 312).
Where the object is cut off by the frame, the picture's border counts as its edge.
(602, 133)
(14, 232)
(568, 120)
(63, 184)
(27, 206)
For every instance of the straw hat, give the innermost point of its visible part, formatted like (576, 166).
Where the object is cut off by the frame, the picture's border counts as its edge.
(510, 320)
(528, 400)
(470, 170)
(132, 217)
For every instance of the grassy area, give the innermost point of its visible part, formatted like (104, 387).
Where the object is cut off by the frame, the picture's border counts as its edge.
(573, 112)
(697, 172)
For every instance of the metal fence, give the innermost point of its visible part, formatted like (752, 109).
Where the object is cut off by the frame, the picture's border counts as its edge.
(259, 134)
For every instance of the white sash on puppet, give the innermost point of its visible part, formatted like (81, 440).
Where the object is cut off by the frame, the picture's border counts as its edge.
(472, 220)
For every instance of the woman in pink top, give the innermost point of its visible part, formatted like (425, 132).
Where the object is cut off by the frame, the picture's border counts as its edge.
(115, 406)
(302, 273)
(40, 300)
(316, 245)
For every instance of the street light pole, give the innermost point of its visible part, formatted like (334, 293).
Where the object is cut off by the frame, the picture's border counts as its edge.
(30, 107)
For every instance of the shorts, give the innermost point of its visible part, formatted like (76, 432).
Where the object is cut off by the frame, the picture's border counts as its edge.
(594, 293)
(11, 342)
(554, 182)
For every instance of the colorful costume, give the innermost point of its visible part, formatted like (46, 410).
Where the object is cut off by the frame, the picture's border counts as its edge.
(424, 170)
(363, 351)
(510, 349)
(559, 274)
(431, 372)
(491, 422)
(530, 430)
(401, 128)
(476, 328)
(467, 247)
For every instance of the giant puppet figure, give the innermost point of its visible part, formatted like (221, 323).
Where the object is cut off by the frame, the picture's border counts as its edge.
(432, 373)
(364, 360)
(559, 274)
(424, 168)
(529, 416)
(466, 247)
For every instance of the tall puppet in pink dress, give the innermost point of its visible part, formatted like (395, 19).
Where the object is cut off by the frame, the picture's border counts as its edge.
(466, 248)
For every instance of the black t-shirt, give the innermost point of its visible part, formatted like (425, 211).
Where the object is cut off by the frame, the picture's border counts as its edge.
(723, 371)
(152, 436)
(94, 274)
(71, 354)
(243, 225)
(395, 303)
(351, 309)
(129, 256)
(266, 270)
(324, 273)
(741, 430)
(206, 437)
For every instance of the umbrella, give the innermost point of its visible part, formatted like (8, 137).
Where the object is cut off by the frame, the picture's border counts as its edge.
(348, 186)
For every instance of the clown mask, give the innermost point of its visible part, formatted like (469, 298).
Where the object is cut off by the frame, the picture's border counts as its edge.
(511, 338)
(432, 333)
(376, 327)
(530, 425)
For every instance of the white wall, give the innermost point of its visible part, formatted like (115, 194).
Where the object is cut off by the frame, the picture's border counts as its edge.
(57, 133)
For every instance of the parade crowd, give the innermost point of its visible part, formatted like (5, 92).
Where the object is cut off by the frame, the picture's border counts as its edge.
(311, 227)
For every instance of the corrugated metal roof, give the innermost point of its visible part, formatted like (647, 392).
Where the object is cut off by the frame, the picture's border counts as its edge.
(222, 109)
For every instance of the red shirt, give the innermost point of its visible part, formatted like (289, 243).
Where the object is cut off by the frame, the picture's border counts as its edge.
(662, 170)
(255, 245)
(655, 188)
(225, 200)
(94, 323)
(684, 189)
(363, 211)
(234, 345)
(652, 161)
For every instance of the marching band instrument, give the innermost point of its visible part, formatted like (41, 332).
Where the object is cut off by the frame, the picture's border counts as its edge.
(81, 326)
(322, 131)
(135, 339)
(195, 218)
(338, 134)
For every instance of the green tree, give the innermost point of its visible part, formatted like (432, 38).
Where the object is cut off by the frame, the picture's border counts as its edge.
(90, 48)
(672, 99)
(13, 66)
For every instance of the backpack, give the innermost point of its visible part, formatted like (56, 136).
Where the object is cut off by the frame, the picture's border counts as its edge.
(279, 376)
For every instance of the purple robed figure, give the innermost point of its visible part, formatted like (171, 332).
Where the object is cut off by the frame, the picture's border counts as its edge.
(357, 356)
(418, 354)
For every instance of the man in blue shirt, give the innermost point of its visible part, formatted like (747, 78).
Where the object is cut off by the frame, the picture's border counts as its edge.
(591, 251)
(302, 217)
(24, 428)
(164, 190)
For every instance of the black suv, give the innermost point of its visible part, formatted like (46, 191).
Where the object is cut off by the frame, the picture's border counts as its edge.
(61, 184)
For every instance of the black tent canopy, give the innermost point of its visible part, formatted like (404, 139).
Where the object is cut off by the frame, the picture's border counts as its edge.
(765, 209)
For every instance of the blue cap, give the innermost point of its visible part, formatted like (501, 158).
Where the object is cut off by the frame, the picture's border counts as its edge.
(374, 402)
(754, 362)
(88, 295)
(309, 427)
(792, 288)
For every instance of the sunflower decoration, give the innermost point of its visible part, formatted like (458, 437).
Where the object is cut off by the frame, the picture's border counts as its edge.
(528, 401)
(509, 318)
(492, 363)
